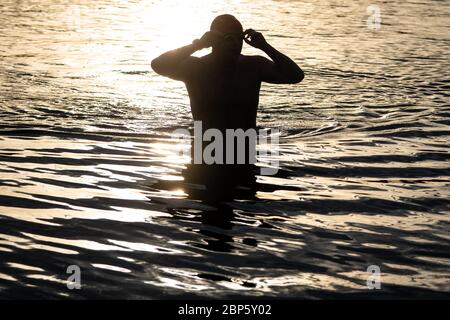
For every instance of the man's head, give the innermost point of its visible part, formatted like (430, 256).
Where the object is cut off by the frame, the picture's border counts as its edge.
(231, 30)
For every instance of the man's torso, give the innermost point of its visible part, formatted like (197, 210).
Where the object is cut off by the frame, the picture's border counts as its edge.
(224, 97)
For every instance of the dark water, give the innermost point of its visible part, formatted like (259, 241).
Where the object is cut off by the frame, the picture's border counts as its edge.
(90, 176)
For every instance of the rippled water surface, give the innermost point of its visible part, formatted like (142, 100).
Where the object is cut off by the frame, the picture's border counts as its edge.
(90, 176)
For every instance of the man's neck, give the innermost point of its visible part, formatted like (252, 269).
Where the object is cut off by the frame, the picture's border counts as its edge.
(224, 60)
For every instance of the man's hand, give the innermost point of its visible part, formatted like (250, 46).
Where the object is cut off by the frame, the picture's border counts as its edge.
(209, 39)
(281, 69)
(255, 39)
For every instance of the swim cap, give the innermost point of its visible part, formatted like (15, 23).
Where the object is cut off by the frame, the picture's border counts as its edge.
(226, 23)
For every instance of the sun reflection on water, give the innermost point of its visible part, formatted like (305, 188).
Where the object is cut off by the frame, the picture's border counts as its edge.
(90, 174)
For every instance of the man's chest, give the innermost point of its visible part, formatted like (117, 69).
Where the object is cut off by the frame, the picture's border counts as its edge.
(228, 83)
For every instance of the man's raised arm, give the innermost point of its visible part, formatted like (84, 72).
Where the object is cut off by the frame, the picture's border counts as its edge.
(178, 63)
(282, 69)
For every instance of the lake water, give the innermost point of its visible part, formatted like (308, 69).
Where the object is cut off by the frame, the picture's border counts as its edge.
(91, 176)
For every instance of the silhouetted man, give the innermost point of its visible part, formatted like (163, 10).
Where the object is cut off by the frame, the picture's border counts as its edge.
(224, 89)
(224, 86)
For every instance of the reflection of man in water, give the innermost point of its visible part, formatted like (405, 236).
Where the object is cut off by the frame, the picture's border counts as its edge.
(224, 85)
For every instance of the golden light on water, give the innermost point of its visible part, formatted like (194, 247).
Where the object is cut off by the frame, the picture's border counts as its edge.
(90, 173)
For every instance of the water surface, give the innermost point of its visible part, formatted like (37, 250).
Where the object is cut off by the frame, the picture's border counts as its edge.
(90, 176)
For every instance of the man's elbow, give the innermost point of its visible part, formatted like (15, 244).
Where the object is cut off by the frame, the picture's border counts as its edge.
(157, 66)
(297, 77)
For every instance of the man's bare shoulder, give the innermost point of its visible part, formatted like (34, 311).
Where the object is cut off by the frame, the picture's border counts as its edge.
(191, 64)
(254, 60)
(200, 61)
